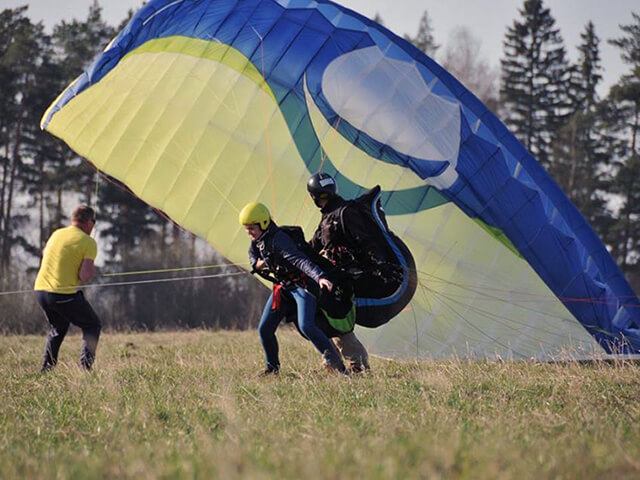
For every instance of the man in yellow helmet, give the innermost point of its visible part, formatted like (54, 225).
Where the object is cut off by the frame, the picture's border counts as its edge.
(66, 261)
(295, 276)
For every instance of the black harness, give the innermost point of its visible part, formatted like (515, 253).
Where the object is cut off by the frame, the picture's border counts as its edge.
(347, 249)
(278, 272)
(336, 303)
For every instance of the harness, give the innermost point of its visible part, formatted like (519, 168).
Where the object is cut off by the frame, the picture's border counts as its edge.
(277, 273)
(347, 252)
(337, 306)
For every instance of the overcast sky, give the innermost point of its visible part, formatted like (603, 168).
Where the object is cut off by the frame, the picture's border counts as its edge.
(487, 19)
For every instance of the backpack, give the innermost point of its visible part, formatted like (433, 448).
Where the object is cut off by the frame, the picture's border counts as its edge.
(338, 306)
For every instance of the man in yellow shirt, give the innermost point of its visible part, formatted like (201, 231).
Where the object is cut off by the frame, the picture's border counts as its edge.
(68, 260)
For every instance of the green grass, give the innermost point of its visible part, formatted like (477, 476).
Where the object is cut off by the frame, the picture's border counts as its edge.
(185, 405)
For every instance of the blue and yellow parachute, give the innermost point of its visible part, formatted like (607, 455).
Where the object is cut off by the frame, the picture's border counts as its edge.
(200, 106)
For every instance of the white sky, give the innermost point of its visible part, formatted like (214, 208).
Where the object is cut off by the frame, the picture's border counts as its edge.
(487, 19)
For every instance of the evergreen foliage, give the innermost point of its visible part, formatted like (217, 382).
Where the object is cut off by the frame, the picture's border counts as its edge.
(24, 63)
(424, 39)
(378, 19)
(624, 102)
(582, 148)
(535, 74)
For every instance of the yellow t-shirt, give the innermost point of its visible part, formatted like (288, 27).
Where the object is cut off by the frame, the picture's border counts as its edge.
(63, 254)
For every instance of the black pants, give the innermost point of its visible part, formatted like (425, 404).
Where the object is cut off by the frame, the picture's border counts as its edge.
(61, 310)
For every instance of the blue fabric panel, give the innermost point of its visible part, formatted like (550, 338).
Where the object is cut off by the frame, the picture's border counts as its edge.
(300, 53)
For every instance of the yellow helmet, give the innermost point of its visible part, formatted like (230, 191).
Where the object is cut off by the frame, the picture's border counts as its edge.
(255, 212)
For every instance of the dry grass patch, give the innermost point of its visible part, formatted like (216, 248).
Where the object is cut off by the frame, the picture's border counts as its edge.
(189, 404)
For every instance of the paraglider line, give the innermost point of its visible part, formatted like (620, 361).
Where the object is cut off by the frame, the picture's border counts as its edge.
(176, 269)
(267, 135)
(609, 300)
(164, 280)
(503, 300)
(424, 291)
(508, 322)
(449, 305)
(160, 10)
(415, 324)
(486, 314)
(139, 282)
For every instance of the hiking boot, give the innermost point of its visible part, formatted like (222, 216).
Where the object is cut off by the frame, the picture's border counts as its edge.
(46, 368)
(359, 368)
(331, 369)
(269, 371)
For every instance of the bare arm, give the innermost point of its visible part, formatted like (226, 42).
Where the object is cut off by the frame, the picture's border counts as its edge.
(87, 270)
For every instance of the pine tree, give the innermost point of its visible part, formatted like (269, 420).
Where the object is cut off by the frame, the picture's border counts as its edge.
(534, 77)
(582, 147)
(424, 39)
(624, 100)
(25, 48)
(125, 221)
(77, 44)
(378, 19)
(630, 44)
(589, 68)
(44, 150)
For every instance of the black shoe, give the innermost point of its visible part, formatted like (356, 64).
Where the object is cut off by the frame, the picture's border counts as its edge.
(340, 369)
(359, 368)
(46, 368)
(269, 371)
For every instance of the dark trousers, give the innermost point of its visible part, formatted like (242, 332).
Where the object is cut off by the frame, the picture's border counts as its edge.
(306, 313)
(61, 310)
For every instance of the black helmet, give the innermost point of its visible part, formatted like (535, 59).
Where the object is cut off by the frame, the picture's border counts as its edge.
(322, 185)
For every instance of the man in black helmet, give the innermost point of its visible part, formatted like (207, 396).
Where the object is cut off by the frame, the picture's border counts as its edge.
(325, 241)
(354, 236)
(351, 238)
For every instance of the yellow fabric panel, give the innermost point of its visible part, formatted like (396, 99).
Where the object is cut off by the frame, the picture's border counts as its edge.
(63, 254)
(188, 136)
(214, 51)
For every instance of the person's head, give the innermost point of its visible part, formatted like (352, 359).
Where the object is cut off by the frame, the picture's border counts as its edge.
(255, 218)
(322, 187)
(84, 218)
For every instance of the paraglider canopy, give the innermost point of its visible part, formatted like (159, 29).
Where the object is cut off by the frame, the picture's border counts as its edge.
(198, 105)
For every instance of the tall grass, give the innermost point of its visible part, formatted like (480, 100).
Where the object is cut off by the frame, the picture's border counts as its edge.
(185, 405)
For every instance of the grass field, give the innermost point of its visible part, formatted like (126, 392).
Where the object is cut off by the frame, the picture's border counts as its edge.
(189, 405)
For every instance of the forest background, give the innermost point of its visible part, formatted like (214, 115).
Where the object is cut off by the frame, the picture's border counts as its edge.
(587, 143)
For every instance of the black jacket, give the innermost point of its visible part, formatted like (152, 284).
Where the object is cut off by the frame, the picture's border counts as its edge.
(355, 236)
(346, 231)
(282, 256)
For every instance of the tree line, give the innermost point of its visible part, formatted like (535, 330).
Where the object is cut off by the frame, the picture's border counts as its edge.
(587, 143)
